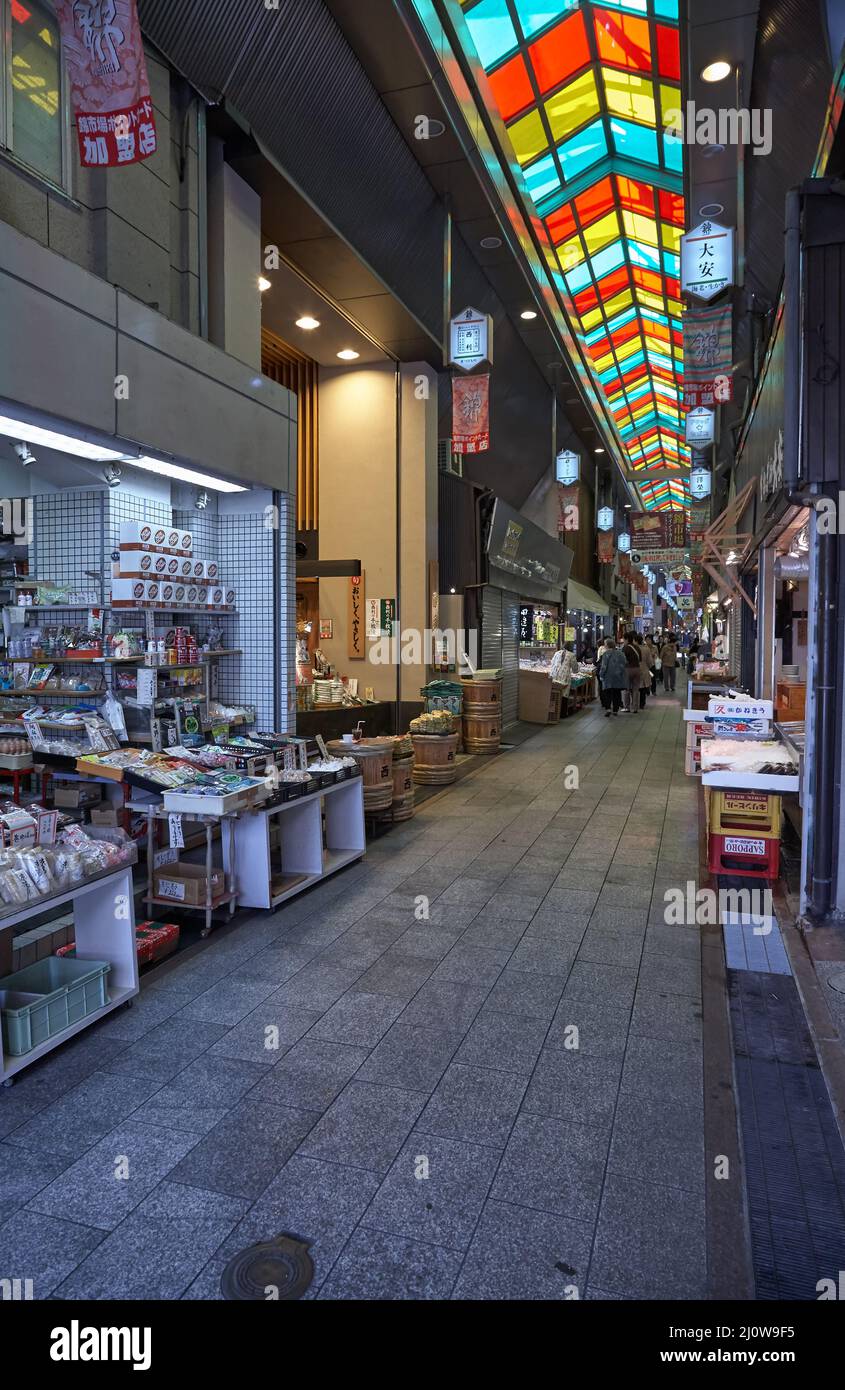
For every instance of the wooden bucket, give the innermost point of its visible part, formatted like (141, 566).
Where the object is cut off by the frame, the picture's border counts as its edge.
(375, 759)
(483, 732)
(482, 697)
(434, 758)
(402, 807)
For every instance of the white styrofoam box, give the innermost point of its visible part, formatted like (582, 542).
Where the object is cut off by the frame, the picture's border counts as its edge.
(136, 533)
(186, 542)
(153, 591)
(191, 595)
(745, 708)
(198, 571)
(202, 596)
(230, 596)
(129, 593)
(212, 569)
(216, 596)
(186, 569)
(136, 564)
(168, 592)
(179, 593)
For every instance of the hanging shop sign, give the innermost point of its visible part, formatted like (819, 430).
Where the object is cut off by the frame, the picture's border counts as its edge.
(470, 340)
(708, 356)
(657, 532)
(567, 467)
(604, 520)
(700, 426)
(355, 619)
(568, 513)
(624, 541)
(381, 615)
(707, 260)
(700, 483)
(109, 87)
(605, 549)
(470, 414)
(526, 624)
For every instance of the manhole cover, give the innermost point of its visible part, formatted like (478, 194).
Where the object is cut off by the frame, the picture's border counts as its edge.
(273, 1270)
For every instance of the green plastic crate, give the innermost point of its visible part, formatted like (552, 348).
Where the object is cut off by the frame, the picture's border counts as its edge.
(66, 991)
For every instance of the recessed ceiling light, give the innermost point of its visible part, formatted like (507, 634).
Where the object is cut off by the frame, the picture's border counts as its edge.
(491, 243)
(263, 283)
(598, 451)
(434, 127)
(528, 314)
(716, 72)
(307, 322)
(627, 506)
(348, 355)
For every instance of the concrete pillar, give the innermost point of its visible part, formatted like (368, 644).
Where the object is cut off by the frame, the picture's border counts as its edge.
(234, 261)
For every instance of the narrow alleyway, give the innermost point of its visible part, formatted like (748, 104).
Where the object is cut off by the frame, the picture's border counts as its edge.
(501, 1099)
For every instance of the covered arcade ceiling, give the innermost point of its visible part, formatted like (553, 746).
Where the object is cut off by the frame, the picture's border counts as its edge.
(585, 92)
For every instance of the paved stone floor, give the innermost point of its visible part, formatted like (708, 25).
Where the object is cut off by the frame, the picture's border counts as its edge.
(140, 1157)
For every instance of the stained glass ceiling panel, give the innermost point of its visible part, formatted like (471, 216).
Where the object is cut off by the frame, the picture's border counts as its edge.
(584, 90)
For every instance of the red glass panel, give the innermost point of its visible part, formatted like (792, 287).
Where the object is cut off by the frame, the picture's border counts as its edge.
(595, 201)
(512, 87)
(560, 53)
(561, 224)
(647, 279)
(623, 40)
(671, 207)
(613, 283)
(638, 197)
(668, 52)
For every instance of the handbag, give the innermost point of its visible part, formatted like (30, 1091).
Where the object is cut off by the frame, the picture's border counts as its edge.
(658, 665)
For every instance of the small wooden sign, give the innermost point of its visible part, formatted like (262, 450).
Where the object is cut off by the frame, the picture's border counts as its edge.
(356, 650)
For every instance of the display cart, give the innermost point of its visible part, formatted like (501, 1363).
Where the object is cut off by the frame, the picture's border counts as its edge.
(285, 848)
(228, 900)
(104, 929)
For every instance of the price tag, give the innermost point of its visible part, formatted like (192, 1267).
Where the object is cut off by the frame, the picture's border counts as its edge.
(322, 747)
(170, 888)
(177, 839)
(146, 685)
(166, 856)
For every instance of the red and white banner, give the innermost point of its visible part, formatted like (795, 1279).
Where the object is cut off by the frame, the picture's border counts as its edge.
(470, 414)
(108, 81)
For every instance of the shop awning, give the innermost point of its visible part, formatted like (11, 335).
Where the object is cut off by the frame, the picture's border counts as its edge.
(581, 596)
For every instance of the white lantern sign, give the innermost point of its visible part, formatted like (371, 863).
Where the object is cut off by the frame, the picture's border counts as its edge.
(604, 520)
(567, 467)
(470, 339)
(700, 483)
(700, 425)
(707, 260)
(623, 541)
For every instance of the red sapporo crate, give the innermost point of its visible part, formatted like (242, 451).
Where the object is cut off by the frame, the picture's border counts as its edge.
(753, 856)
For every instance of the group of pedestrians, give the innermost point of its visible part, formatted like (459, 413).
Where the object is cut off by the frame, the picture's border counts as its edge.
(630, 670)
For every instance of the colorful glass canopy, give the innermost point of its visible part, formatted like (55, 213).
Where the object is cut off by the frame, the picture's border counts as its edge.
(587, 91)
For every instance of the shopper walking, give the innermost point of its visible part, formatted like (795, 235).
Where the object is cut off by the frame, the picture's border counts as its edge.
(613, 677)
(563, 666)
(646, 667)
(668, 662)
(633, 661)
(655, 662)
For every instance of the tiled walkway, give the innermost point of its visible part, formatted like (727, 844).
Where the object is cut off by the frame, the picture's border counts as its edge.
(137, 1160)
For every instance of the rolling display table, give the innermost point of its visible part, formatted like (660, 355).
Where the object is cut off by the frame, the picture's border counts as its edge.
(156, 859)
(104, 928)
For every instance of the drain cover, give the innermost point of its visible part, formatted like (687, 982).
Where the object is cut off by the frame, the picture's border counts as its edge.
(273, 1270)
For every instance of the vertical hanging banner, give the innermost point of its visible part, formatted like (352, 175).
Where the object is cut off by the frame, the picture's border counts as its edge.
(605, 548)
(708, 357)
(109, 86)
(568, 517)
(355, 619)
(471, 414)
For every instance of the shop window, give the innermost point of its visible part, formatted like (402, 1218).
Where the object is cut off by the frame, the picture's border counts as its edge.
(33, 113)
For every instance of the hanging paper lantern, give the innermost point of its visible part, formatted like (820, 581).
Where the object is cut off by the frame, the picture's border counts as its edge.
(624, 541)
(567, 467)
(605, 519)
(700, 483)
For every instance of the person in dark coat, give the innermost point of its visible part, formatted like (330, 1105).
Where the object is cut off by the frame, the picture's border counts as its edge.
(613, 674)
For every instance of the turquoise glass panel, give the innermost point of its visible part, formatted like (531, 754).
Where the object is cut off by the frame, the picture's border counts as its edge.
(584, 149)
(635, 141)
(492, 31)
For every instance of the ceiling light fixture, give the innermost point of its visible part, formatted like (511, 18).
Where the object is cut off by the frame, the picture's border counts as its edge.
(716, 72)
(598, 451)
(202, 500)
(53, 439)
(348, 355)
(528, 314)
(263, 283)
(491, 243)
(112, 474)
(184, 475)
(307, 323)
(25, 454)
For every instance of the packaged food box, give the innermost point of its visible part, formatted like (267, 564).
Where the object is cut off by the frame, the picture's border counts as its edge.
(212, 570)
(128, 593)
(188, 883)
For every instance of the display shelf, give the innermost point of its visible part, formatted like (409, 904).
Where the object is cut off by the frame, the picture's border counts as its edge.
(751, 781)
(104, 929)
(318, 834)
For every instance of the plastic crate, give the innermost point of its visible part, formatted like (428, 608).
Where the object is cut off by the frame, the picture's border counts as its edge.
(66, 990)
(751, 856)
(758, 813)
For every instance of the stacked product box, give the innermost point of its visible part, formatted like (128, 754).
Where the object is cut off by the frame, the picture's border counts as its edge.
(157, 569)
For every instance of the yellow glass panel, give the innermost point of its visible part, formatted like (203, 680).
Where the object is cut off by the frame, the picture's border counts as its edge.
(604, 364)
(629, 95)
(670, 103)
(570, 253)
(628, 349)
(573, 106)
(640, 228)
(528, 137)
(671, 236)
(650, 301)
(591, 320)
(601, 233)
(674, 307)
(620, 301)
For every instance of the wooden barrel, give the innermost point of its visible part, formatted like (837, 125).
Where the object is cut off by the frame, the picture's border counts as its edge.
(434, 758)
(375, 759)
(402, 807)
(482, 697)
(483, 732)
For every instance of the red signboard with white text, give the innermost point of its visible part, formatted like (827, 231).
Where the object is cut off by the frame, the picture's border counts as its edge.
(108, 81)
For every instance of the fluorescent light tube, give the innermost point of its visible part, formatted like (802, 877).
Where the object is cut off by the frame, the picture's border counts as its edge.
(65, 443)
(184, 475)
